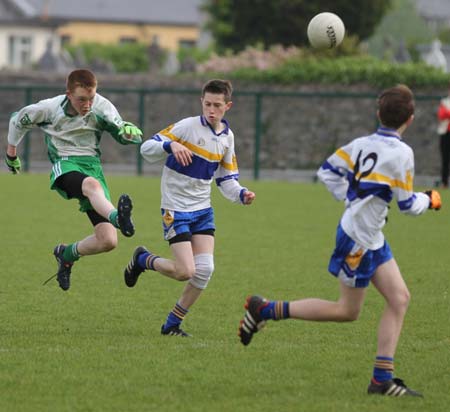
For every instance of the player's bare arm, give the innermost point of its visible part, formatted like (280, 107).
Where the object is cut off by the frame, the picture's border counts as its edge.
(11, 150)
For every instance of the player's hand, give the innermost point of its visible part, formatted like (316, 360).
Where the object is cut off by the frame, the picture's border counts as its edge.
(130, 131)
(13, 164)
(435, 199)
(248, 198)
(181, 153)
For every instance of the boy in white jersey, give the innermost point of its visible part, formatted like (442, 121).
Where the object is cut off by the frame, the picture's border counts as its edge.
(367, 174)
(73, 124)
(197, 149)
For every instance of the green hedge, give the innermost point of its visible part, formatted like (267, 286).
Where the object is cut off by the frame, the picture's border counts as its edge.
(126, 58)
(325, 68)
(346, 70)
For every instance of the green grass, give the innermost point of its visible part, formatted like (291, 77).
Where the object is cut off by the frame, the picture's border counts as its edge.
(97, 347)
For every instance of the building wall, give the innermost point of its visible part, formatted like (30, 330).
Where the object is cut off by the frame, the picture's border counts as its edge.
(168, 37)
(39, 37)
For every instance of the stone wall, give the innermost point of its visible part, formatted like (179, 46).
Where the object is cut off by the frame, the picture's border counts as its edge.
(297, 132)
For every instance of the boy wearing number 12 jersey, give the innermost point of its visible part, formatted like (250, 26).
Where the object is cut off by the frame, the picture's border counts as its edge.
(368, 173)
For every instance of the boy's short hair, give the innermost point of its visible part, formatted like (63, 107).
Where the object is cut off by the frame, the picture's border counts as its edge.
(81, 78)
(395, 106)
(218, 86)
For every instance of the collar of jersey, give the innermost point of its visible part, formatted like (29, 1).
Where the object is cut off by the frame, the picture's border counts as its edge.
(206, 123)
(65, 106)
(385, 131)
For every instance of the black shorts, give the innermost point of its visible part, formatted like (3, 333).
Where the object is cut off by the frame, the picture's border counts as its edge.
(187, 236)
(71, 184)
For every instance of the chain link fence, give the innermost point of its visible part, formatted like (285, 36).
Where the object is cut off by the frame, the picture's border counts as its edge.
(278, 135)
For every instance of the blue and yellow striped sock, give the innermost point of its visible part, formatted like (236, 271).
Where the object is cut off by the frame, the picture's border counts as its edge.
(176, 316)
(147, 260)
(275, 309)
(383, 369)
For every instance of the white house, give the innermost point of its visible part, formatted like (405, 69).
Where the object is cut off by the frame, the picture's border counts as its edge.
(24, 34)
(436, 13)
(28, 28)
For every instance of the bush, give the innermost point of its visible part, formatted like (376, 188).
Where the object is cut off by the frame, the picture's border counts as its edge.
(308, 68)
(198, 55)
(444, 36)
(250, 58)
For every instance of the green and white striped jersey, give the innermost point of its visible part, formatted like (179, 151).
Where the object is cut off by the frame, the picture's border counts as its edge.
(65, 134)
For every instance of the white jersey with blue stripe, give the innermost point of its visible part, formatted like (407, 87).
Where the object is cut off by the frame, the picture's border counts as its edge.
(368, 173)
(188, 188)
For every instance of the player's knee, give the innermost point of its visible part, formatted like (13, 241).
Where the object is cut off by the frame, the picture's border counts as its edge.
(204, 268)
(407, 298)
(351, 315)
(400, 302)
(107, 241)
(90, 185)
(184, 273)
(183, 276)
(109, 244)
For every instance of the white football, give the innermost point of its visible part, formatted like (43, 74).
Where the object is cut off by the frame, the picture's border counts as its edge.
(325, 31)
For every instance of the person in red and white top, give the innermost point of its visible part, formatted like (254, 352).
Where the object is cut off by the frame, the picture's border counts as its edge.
(443, 129)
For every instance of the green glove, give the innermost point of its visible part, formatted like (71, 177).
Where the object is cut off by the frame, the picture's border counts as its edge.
(130, 129)
(13, 164)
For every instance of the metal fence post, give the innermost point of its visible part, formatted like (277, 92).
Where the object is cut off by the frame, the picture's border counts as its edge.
(258, 108)
(26, 147)
(141, 125)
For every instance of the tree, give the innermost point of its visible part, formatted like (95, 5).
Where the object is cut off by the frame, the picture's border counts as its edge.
(402, 25)
(235, 24)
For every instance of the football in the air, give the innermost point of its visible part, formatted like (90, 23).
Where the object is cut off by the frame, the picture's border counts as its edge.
(325, 31)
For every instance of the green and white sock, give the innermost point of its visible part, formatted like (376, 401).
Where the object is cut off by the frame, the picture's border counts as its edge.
(71, 253)
(113, 218)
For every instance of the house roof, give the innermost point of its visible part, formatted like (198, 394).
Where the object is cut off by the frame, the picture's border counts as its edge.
(21, 12)
(437, 10)
(179, 12)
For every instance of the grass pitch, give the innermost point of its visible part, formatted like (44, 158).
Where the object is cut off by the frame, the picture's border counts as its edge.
(97, 347)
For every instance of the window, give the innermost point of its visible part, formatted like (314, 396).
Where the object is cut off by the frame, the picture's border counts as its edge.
(186, 44)
(127, 40)
(66, 40)
(19, 51)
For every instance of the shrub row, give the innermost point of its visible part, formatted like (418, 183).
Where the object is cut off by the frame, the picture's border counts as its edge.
(280, 66)
(125, 58)
(346, 70)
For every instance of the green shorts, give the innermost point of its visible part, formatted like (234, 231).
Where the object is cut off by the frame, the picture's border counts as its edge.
(88, 165)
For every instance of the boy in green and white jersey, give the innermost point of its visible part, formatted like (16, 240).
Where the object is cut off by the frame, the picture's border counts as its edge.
(73, 124)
